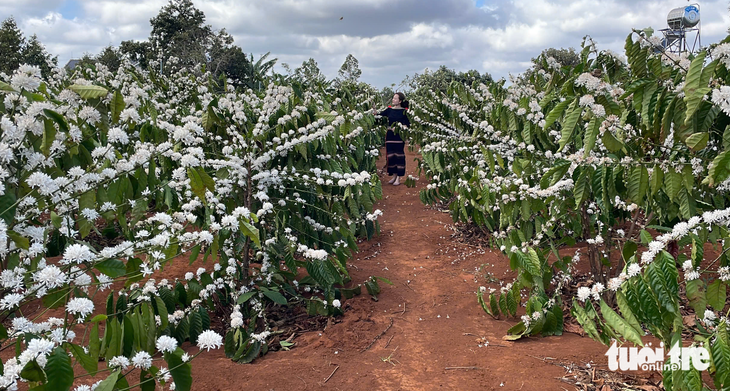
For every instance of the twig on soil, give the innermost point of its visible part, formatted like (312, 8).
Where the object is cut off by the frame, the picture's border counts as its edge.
(388, 343)
(378, 336)
(331, 374)
(390, 358)
(404, 309)
(449, 368)
(305, 383)
(542, 358)
(409, 287)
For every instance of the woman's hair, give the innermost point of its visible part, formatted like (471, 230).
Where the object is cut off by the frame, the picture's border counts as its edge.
(403, 101)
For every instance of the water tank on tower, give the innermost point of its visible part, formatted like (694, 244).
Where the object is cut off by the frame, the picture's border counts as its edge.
(683, 17)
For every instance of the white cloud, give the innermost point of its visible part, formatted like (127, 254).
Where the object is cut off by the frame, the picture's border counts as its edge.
(390, 39)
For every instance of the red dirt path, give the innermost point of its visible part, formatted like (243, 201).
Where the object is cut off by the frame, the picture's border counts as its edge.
(435, 282)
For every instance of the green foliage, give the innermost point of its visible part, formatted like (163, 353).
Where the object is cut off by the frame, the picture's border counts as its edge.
(15, 50)
(595, 150)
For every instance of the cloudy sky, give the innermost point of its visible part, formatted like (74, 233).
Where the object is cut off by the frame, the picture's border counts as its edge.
(389, 38)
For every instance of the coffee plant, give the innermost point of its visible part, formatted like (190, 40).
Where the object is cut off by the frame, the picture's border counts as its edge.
(627, 154)
(109, 178)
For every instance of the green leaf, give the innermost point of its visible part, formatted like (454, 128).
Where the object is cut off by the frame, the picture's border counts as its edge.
(693, 380)
(112, 267)
(610, 142)
(532, 263)
(716, 294)
(196, 326)
(566, 132)
(94, 343)
(197, 184)
(511, 303)
(493, 305)
(697, 141)
(6, 87)
(585, 321)
(656, 279)
(89, 92)
(686, 205)
(589, 140)
(59, 371)
(250, 231)
(108, 383)
(116, 106)
(208, 119)
(485, 307)
(147, 381)
(638, 183)
(503, 305)
(180, 371)
(517, 331)
(696, 296)
(581, 191)
(629, 316)
(55, 298)
(276, 297)
(33, 372)
(719, 168)
(207, 180)
(7, 207)
(244, 297)
(629, 250)
(672, 183)
(49, 136)
(88, 362)
(252, 351)
(556, 112)
(20, 240)
(694, 91)
(162, 312)
(720, 356)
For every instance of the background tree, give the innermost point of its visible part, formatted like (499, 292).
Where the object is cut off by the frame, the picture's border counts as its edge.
(309, 73)
(566, 57)
(350, 70)
(257, 73)
(236, 65)
(226, 58)
(16, 50)
(179, 30)
(110, 57)
(139, 53)
(438, 81)
(87, 60)
(11, 44)
(34, 53)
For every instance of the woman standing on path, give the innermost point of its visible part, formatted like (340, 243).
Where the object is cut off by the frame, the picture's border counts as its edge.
(394, 144)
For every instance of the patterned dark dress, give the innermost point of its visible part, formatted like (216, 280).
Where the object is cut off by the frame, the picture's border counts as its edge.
(394, 144)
